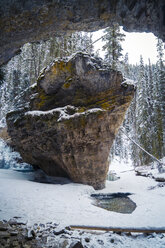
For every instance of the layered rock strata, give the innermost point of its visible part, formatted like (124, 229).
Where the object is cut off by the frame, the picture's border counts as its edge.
(75, 111)
(31, 21)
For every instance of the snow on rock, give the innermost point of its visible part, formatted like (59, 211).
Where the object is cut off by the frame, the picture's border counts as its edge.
(128, 81)
(152, 171)
(63, 112)
(33, 85)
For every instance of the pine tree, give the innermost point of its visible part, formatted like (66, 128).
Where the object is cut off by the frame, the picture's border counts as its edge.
(1, 75)
(87, 43)
(126, 68)
(143, 127)
(146, 116)
(160, 106)
(113, 38)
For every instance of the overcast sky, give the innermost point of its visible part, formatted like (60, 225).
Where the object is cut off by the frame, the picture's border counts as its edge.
(135, 44)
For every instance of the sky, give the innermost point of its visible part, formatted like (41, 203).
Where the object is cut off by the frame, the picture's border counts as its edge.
(135, 44)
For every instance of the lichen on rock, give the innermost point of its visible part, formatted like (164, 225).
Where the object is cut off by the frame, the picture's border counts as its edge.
(74, 115)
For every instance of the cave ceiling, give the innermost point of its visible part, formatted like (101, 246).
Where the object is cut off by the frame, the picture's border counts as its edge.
(23, 21)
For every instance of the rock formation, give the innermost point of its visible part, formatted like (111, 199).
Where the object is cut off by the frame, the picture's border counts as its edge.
(30, 20)
(75, 112)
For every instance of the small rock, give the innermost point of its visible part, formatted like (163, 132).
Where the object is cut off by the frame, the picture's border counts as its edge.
(76, 244)
(31, 234)
(55, 224)
(3, 226)
(100, 241)
(13, 233)
(8, 240)
(15, 243)
(14, 222)
(112, 240)
(42, 225)
(16, 217)
(59, 232)
(40, 235)
(4, 235)
(2, 243)
(128, 234)
(87, 240)
(26, 246)
(64, 244)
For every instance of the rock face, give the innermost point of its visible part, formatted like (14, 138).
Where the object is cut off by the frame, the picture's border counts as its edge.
(75, 112)
(30, 20)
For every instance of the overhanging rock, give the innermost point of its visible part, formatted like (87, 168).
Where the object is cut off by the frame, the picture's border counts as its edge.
(31, 20)
(75, 112)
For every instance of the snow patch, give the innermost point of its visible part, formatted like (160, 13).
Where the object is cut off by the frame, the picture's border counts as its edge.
(63, 112)
(129, 81)
(33, 85)
(152, 171)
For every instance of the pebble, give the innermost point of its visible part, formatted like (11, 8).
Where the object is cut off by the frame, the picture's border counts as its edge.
(87, 240)
(13, 233)
(59, 232)
(76, 245)
(15, 243)
(3, 227)
(31, 234)
(26, 246)
(4, 235)
(112, 240)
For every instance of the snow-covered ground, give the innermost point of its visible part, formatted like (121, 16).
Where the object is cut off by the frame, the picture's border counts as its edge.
(70, 204)
(66, 203)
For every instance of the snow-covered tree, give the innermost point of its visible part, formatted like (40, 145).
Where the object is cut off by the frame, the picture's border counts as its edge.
(113, 38)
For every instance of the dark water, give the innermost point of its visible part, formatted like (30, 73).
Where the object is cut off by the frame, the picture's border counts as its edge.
(118, 202)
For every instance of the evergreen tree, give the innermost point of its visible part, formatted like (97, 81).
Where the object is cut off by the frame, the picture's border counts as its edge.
(113, 38)
(145, 119)
(143, 125)
(1, 76)
(126, 69)
(160, 105)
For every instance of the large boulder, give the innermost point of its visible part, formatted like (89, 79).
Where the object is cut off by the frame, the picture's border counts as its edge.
(31, 20)
(75, 111)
